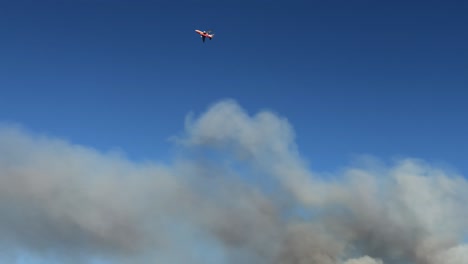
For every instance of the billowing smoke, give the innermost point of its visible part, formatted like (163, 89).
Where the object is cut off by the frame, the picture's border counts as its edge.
(364, 260)
(237, 192)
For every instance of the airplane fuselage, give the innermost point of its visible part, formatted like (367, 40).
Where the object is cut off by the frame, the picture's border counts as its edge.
(204, 34)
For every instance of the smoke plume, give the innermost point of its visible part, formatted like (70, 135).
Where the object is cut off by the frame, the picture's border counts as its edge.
(238, 191)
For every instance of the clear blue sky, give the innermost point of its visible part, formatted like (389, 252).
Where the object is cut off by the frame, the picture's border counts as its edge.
(385, 78)
(353, 77)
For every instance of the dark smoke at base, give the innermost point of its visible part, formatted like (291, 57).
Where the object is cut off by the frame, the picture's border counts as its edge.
(76, 204)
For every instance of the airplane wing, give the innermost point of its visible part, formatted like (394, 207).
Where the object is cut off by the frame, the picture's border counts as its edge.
(203, 38)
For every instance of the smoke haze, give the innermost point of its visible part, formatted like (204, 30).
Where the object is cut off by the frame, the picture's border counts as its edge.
(238, 192)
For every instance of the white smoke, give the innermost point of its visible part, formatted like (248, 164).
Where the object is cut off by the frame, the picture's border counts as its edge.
(240, 193)
(455, 255)
(364, 260)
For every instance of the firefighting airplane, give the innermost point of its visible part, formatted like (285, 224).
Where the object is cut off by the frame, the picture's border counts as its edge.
(205, 34)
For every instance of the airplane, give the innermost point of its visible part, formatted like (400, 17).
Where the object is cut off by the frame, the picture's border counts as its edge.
(205, 34)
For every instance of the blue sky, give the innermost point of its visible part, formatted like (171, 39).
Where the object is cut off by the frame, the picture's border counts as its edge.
(353, 77)
(383, 78)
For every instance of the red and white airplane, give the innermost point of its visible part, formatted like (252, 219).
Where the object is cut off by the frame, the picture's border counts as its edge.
(205, 34)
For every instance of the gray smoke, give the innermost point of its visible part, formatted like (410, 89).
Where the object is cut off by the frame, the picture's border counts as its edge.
(364, 260)
(238, 191)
